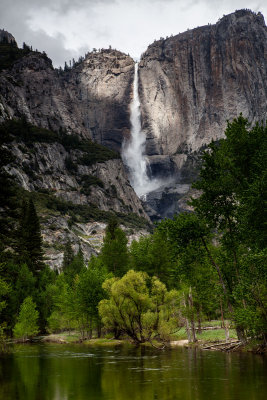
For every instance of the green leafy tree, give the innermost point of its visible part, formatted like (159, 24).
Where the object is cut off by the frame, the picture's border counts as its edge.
(87, 293)
(61, 316)
(27, 326)
(140, 307)
(233, 203)
(152, 254)
(197, 271)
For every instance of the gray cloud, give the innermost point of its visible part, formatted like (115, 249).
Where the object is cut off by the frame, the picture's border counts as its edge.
(68, 28)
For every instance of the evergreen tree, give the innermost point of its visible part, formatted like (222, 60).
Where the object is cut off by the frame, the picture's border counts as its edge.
(76, 264)
(114, 253)
(68, 256)
(29, 238)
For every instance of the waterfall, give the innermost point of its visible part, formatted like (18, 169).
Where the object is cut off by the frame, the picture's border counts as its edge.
(133, 151)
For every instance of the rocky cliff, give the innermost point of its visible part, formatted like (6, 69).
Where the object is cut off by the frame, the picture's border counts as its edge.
(76, 186)
(51, 123)
(192, 83)
(91, 99)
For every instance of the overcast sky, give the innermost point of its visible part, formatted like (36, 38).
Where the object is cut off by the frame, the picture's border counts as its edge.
(68, 28)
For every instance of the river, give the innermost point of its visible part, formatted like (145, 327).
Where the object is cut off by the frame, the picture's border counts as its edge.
(79, 372)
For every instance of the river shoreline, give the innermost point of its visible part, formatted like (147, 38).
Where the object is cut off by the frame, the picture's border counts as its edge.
(255, 347)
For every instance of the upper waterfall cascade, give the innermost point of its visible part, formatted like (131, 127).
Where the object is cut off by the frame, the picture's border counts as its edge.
(133, 151)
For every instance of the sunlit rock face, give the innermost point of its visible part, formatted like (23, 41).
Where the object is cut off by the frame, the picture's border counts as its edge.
(102, 85)
(192, 83)
(91, 99)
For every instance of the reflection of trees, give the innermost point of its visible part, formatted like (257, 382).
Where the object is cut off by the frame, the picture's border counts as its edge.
(46, 372)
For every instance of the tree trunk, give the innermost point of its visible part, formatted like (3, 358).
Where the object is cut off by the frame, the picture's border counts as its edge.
(99, 330)
(224, 324)
(193, 328)
(241, 334)
(199, 329)
(187, 328)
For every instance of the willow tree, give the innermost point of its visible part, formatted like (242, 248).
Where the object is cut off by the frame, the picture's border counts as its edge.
(139, 307)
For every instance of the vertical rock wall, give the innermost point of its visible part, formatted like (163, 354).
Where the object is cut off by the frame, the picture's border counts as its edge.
(192, 83)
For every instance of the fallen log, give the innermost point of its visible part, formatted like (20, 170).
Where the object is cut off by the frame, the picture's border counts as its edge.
(226, 344)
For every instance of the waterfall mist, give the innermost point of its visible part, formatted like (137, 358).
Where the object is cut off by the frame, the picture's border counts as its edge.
(133, 151)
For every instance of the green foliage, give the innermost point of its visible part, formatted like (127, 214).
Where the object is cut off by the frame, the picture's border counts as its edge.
(233, 203)
(139, 306)
(250, 294)
(61, 312)
(75, 301)
(4, 289)
(72, 264)
(27, 327)
(114, 252)
(233, 184)
(87, 293)
(153, 255)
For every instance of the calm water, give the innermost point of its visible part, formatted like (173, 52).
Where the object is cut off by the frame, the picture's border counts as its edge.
(64, 372)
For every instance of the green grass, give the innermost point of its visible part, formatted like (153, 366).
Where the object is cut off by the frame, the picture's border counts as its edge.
(216, 334)
(179, 335)
(212, 323)
(206, 335)
(103, 342)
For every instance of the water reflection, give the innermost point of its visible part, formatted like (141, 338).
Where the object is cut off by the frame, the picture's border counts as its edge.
(59, 372)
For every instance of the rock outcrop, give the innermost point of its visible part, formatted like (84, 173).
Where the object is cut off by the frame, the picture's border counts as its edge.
(74, 197)
(75, 183)
(91, 99)
(192, 83)
(6, 37)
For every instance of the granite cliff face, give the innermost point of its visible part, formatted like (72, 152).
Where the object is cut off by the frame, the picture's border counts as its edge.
(76, 183)
(192, 83)
(102, 85)
(75, 186)
(91, 99)
(189, 86)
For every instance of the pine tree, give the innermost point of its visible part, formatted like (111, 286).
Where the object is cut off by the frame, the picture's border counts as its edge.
(68, 256)
(114, 254)
(29, 238)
